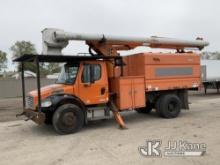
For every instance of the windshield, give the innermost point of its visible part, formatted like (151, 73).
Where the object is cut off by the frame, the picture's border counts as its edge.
(68, 74)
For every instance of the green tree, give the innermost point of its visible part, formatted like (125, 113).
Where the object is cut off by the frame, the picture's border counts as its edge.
(210, 55)
(52, 68)
(24, 47)
(3, 60)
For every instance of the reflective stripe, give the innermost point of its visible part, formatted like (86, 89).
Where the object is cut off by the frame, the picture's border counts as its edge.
(174, 71)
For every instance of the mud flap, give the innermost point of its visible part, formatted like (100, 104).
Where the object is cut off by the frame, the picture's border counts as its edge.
(183, 95)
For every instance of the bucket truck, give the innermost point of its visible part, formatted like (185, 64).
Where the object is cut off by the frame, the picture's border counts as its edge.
(105, 83)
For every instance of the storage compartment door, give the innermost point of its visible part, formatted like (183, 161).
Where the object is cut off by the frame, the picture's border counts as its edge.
(138, 93)
(125, 94)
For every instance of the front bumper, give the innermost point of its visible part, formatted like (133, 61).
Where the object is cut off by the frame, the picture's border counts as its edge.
(37, 117)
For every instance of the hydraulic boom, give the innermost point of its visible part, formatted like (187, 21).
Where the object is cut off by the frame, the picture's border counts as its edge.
(54, 40)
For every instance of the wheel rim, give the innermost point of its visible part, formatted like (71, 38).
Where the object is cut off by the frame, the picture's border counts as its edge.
(69, 119)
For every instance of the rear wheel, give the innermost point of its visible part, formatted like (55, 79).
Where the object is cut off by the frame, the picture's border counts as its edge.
(168, 106)
(68, 118)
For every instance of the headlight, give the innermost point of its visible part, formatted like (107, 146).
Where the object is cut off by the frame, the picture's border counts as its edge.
(46, 103)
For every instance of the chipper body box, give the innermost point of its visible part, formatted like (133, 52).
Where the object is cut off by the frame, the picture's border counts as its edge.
(164, 71)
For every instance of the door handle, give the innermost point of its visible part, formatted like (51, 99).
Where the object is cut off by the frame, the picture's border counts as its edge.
(102, 90)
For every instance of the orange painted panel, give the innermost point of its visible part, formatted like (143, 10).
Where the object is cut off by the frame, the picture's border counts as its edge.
(122, 88)
(170, 84)
(165, 71)
(134, 65)
(91, 93)
(138, 92)
(125, 93)
(130, 92)
(171, 59)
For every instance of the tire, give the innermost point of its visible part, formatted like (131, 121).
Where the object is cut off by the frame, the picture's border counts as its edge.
(158, 102)
(146, 109)
(168, 106)
(67, 119)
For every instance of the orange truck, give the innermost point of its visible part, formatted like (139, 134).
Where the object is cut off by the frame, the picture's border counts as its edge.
(104, 83)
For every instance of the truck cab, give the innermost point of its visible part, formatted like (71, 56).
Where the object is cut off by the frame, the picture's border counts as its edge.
(81, 88)
(85, 80)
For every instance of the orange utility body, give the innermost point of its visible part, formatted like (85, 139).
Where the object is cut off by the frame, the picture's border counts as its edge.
(165, 71)
(155, 72)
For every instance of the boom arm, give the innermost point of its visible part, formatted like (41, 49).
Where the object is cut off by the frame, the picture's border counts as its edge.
(54, 40)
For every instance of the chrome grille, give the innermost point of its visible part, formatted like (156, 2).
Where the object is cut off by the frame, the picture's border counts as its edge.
(29, 101)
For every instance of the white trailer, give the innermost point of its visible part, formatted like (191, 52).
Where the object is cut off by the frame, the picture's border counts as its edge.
(211, 74)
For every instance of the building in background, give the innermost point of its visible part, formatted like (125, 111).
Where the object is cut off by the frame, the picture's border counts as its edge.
(27, 74)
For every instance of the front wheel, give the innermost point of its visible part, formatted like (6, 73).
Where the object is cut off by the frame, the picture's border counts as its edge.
(168, 106)
(68, 118)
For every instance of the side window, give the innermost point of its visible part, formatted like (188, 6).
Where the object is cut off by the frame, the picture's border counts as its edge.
(97, 72)
(91, 73)
(86, 73)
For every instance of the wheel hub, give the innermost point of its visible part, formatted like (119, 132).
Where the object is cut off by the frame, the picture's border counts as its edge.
(69, 119)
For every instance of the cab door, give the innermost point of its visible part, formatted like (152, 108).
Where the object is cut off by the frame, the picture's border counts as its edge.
(93, 84)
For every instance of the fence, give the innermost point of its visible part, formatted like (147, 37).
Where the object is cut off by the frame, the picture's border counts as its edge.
(12, 87)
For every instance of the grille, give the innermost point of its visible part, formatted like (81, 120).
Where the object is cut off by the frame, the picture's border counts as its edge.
(29, 102)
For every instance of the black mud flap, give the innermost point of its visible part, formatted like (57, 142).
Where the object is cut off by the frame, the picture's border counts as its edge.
(183, 95)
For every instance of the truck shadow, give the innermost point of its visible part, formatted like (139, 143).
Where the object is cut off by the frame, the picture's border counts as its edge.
(130, 118)
(45, 130)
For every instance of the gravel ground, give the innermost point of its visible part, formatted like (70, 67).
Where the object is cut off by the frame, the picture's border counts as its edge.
(101, 142)
(9, 108)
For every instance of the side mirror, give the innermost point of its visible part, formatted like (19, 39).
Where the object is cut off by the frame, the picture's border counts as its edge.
(119, 62)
